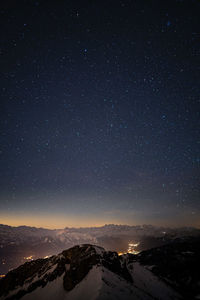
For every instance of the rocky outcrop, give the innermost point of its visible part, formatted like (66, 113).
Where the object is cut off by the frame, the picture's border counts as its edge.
(167, 272)
(74, 264)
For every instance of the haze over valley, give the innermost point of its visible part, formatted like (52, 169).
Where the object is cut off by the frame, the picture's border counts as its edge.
(21, 244)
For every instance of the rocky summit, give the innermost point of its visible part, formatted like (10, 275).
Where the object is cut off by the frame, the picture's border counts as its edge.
(72, 265)
(89, 272)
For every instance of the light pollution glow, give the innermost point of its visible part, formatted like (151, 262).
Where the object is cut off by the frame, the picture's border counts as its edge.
(55, 221)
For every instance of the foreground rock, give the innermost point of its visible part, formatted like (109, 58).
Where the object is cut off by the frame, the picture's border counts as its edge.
(89, 272)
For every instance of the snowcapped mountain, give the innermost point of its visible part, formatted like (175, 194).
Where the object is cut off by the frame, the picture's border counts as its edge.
(82, 271)
(89, 272)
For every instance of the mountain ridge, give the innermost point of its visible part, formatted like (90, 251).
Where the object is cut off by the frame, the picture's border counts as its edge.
(102, 226)
(143, 276)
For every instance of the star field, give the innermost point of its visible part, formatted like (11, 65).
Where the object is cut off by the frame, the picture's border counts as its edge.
(100, 112)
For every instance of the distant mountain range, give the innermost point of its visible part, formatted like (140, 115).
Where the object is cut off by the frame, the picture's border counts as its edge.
(90, 272)
(23, 243)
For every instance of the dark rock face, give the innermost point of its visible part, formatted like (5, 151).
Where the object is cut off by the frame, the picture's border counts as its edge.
(74, 264)
(84, 258)
(116, 264)
(81, 261)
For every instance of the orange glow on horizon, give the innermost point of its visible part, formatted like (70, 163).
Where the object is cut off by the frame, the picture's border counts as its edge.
(55, 222)
(60, 221)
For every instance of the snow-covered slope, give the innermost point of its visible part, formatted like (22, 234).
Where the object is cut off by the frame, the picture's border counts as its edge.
(99, 283)
(102, 284)
(147, 282)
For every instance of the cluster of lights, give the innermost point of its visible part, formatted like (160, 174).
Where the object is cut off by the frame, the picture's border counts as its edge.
(29, 257)
(131, 249)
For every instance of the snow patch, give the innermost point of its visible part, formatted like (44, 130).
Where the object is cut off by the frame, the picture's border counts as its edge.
(146, 281)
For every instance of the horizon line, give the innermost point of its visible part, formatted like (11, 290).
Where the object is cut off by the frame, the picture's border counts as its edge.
(100, 226)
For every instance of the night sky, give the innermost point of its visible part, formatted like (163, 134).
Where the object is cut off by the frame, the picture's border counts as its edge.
(100, 112)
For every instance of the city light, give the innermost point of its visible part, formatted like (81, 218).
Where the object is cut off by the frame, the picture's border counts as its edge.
(131, 249)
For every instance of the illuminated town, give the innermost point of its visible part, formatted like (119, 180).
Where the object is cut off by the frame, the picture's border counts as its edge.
(131, 249)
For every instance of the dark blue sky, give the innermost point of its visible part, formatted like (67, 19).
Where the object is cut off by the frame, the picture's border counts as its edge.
(100, 112)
